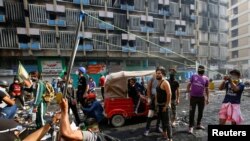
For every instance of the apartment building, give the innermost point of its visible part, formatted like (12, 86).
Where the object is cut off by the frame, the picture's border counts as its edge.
(239, 48)
(212, 33)
(41, 33)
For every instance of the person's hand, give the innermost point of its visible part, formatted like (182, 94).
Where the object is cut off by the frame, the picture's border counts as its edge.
(207, 102)
(56, 117)
(64, 105)
(34, 109)
(226, 77)
(27, 83)
(177, 101)
(164, 109)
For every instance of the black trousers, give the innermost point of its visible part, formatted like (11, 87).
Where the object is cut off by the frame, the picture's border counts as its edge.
(200, 102)
(74, 110)
(165, 120)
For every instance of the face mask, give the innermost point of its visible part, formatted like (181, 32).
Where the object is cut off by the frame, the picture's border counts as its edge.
(16, 81)
(171, 77)
(201, 72)
(34, 79)
(69, 85)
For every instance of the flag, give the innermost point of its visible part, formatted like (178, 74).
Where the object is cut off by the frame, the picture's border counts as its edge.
(22, 74)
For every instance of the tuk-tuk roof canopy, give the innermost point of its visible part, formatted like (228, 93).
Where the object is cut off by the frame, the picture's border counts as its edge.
(116, 84)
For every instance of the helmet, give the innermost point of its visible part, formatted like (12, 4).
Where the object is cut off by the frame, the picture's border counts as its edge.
(82, 69)
(4, 83)
(91, 96)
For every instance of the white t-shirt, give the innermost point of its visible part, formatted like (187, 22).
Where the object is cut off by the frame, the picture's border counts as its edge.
(89, 136)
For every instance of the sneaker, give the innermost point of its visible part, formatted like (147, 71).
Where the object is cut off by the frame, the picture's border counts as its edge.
(159, 130)
(146, 133)
(191, 130)
(200, 127)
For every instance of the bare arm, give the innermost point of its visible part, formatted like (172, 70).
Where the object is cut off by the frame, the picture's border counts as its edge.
(66, 130)
(178, 95)
(188, 87)
(207, 94)
(38, 134)
(222, 85)
(168, 91)
(149, 87)
(8, 100)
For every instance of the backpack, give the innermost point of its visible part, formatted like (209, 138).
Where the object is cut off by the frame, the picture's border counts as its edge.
(49, 94)
(104, 137)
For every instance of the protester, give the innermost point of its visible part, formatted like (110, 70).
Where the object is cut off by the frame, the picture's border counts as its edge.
(196, 87)
(174, 85)
(8, 107)
(83, 87)
(92, 133)
(135, 90)
(163, 99)
(92, 85)
(101, 84)
(39, 106)
(151, 92)
(16, 91)
(94, 108)
(230, 109)
(71, 96)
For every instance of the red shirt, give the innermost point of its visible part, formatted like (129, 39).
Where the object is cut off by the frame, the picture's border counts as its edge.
(102, 81)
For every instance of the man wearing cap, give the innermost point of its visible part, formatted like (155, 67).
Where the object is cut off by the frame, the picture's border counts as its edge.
(94, 108)
(82, 86)
(230, 109)
(196, 87)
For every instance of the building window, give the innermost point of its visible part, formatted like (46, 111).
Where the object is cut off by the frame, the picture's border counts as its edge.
(234, 22)
(233, 2)
(235, 54)
(234, 43)
(234, 33)
(235, 11)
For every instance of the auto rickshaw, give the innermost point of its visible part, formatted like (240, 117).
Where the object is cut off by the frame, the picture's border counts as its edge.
(118, 106)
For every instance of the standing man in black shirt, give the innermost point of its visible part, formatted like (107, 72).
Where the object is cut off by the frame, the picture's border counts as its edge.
(82, 86)
(175, 99)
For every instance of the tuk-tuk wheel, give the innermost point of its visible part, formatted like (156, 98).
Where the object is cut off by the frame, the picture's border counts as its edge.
(117, 120)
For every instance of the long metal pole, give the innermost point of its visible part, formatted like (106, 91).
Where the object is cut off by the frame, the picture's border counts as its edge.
(73, 54)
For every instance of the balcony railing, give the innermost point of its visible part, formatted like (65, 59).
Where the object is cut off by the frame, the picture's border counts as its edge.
(147, 29)
(128, 49)
(2, 18)
(84, 2)
(165, 50)
(56, 22)
(34, 46)
(180, 33)
(164, 12)
(105, 26)
(127, 7)
(86, 47)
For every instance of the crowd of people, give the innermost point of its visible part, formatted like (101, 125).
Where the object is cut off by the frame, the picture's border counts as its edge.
(161, 95)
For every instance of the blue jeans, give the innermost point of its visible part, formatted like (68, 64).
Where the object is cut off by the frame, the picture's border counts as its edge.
(8, 112)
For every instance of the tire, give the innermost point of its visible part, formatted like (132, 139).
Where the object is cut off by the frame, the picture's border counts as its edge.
(117, 120)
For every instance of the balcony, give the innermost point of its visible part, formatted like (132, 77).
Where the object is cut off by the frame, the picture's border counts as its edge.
(56, 22)
(127, 7)
(164, 12)
(192, 18)
(165, 50)
(34, 46)
(147, 29)
(128, 49)
(86, 47)
(84, 2)
(105, 26)
(180, 33)
(2, 18)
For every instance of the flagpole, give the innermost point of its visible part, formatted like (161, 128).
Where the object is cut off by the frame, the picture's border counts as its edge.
(73, 54)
